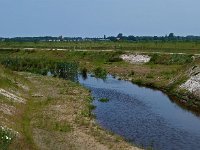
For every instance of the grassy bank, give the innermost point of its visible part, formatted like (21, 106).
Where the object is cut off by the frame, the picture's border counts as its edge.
(54, 114)
(165, 71)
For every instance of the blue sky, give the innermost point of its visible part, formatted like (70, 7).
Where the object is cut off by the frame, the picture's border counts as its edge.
(95, 18)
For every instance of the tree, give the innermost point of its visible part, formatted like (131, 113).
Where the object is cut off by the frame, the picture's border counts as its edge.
(120, 35)
(171, 35)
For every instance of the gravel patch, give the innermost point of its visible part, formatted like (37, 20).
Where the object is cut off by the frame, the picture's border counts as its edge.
(193, 85)
(136, 59)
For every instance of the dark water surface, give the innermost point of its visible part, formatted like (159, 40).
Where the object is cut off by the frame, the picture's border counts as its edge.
(143, 116)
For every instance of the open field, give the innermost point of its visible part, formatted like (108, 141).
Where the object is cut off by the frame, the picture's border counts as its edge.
(170, 47)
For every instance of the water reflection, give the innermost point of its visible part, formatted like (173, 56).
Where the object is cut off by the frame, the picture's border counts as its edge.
(143, 116)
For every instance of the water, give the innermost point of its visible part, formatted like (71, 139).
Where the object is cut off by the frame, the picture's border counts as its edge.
(143, 116)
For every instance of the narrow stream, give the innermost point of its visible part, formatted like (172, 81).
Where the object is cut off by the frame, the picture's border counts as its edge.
(143, 116)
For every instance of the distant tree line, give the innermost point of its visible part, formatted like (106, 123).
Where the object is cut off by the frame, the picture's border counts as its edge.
(119, 37)
(170, 37)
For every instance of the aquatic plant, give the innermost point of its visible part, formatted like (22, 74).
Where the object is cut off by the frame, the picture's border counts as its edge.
(104, 100)
(84, 73)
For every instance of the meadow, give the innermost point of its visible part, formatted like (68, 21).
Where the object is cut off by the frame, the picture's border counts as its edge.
(146, 46)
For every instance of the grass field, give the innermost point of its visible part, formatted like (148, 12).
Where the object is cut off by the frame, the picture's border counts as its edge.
(178, 47)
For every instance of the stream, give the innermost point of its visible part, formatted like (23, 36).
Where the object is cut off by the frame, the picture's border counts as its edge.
(143, 116)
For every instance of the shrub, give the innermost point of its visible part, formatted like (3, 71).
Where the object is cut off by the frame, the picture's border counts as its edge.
(115, 59)
(100, 73)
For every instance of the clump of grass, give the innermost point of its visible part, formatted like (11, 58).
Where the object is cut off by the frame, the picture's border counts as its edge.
(150, 76)
(137, 81)
(100, 73)
(88, 111)
(132, 73)
(104, 100)
(6, 137)
(189, 102)
(91, 107)
(62, 127)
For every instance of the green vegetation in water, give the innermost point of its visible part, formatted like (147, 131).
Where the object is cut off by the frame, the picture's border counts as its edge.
(104, 100)
(100, 73)
(6, 137)
(84, 72)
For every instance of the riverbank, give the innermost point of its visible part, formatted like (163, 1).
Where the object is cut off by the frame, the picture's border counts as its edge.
(165, 71)
(179, 82)
(54, 114)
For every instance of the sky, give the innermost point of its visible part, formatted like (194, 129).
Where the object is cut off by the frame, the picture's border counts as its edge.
(95, 18)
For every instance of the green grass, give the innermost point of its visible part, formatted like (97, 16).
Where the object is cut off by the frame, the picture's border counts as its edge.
(62, 127)
(99, 72)
(170, 46)
(167, 59)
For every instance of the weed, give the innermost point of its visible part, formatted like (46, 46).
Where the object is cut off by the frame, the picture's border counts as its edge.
(6, 136)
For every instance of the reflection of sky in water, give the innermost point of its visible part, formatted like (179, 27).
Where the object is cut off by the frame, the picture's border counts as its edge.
(143, 116)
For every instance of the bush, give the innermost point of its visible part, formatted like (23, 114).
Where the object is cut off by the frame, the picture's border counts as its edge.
(115, 59)
(100, 73)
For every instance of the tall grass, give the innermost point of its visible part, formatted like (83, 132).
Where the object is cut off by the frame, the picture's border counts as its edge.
(171, 59)
(62, 69)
